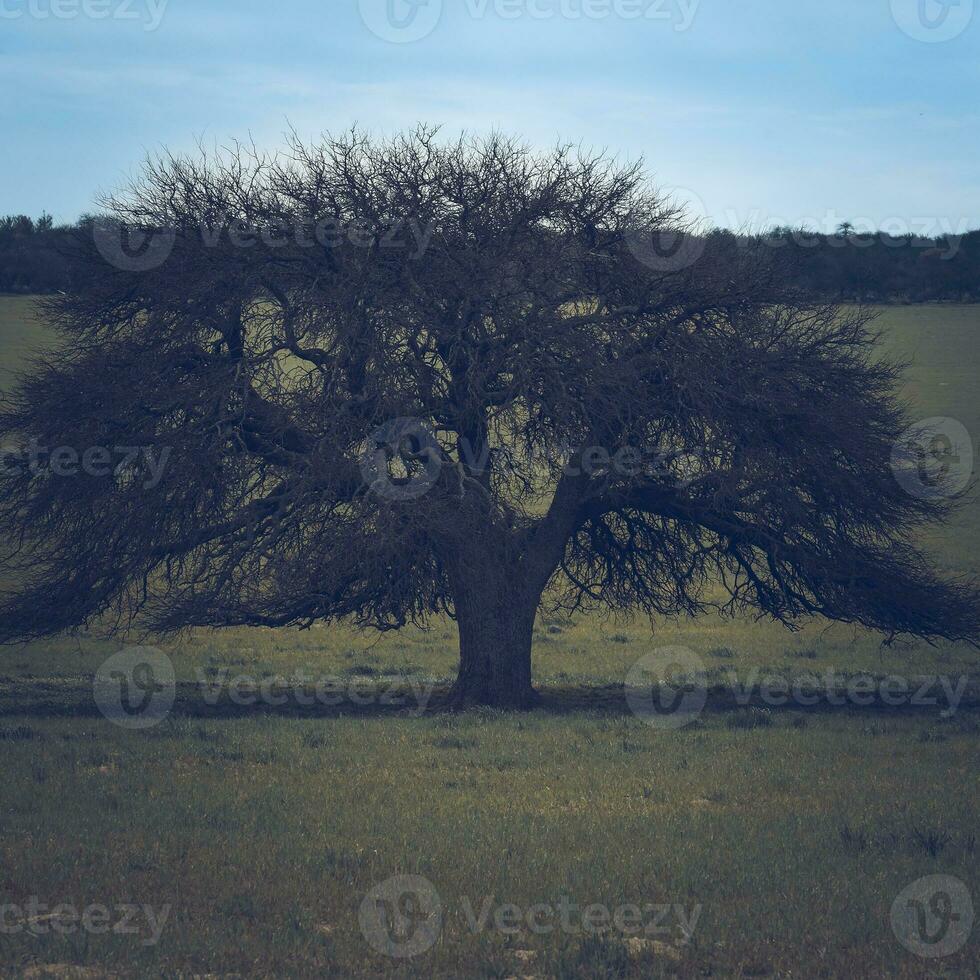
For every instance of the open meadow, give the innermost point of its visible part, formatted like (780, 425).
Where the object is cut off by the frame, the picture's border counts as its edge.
(249, 830)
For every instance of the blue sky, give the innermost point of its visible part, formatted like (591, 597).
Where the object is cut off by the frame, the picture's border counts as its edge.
(756, 111)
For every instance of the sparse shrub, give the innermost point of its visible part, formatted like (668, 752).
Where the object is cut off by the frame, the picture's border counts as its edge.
(484, 713)
(315, 739)
(556, 620)
(241, 906)
(20, 733)
(875, 729)
(750, 718)
(340, 861)
(449, 719)
(967, 725)
(454, 742)
(932, 840)
(854, 838)
(722, 653)
(597, 958)
(404, 670)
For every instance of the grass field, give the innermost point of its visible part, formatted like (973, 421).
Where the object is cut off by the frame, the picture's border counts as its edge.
(754, 841)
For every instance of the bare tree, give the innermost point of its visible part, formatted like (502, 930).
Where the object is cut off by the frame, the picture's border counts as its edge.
(392, 379)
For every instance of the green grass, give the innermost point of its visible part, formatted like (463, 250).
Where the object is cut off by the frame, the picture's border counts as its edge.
(22, 334)
(264, 835)
(264, 829)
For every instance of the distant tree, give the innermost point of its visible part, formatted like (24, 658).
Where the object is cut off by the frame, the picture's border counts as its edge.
(506, 379)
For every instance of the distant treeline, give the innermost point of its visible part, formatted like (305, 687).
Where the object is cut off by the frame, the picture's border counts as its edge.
(35, 257)
(874, 267)
(34, 254)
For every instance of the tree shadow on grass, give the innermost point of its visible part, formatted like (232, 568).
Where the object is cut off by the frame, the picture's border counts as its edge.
(415, 698)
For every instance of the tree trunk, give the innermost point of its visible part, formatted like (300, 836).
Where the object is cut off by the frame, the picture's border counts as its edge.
(496, 622)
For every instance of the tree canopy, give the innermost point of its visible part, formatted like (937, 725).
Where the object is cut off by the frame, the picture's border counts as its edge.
(384, 379)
